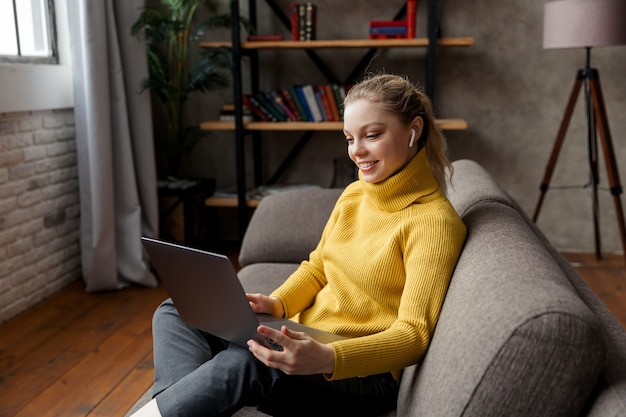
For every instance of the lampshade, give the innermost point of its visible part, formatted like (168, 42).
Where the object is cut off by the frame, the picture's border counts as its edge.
(584, 23)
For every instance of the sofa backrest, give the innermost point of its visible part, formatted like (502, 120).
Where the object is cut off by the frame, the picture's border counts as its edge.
(287, 226)
(513, 337)
(520, 333)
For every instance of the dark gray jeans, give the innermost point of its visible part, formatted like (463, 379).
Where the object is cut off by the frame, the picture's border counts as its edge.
(197, 374)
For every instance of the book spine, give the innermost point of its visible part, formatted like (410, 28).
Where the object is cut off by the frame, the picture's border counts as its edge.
(301, 22)
(391, 30)
(310, 21)
(270, 117)
(292, 89)
(320, 104)
(256, 111)
(266, 100)
(309, 95)
(311, 101)
(294, 15)
(278, 100)
(332, 102)
(330, 116)
(411, 18)
(304, 103)
(339, 98)
(387, 23)
(288, 99)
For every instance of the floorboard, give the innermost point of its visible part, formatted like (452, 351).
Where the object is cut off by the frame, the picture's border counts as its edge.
(86, 355)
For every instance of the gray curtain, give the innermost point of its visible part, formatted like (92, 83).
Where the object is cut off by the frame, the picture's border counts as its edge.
(117, 174)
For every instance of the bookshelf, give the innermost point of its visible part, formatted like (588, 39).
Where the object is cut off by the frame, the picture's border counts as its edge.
(344, 43)
(251, 49)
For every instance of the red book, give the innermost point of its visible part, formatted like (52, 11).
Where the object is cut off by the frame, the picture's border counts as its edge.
(411, 18)
(284, 92)
(259, 115)
(294, 14)
(321, 90)
(387, 23)
(332, 102)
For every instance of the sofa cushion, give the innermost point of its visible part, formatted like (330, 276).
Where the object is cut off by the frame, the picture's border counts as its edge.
(287, 226)
(265, 277)
(513, 338)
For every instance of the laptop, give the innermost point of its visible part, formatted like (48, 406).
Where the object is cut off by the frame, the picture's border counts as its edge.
(209, 296)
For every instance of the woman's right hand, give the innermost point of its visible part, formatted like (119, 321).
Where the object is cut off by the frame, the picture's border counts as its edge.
(263, 304)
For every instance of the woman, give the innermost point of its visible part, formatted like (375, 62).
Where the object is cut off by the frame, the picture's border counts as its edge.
(379, 276)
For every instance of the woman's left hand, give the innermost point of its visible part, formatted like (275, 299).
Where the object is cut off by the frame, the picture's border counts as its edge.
(301, 354)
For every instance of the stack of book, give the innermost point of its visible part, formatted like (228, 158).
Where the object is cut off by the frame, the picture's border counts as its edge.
(227, 113)
(305, 103)
(396, 29)
(303, 21)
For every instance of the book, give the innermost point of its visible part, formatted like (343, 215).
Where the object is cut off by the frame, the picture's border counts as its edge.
(291, 92)
(332, 101)
(256, 111)
(339, 92)
(268, 104)
(320, 104)
(269, 116)
(384, 23)
(294, 17)
(311, 101)
(288, 100)
(411, 18)
(304, 103)
(280, 103)
(227, 113)
(301, 22)
(388, 30)
(325, 100)
(310, 21)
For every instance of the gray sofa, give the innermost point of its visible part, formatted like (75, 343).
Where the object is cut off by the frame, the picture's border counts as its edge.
(520, 333)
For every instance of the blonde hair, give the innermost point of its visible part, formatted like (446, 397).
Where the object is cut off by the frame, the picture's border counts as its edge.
(397, 95)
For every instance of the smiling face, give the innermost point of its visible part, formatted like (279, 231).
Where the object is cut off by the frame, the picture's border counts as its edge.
(378, 142)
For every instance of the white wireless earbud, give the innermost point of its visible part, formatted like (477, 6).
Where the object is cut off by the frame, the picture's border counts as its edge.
(412, 138)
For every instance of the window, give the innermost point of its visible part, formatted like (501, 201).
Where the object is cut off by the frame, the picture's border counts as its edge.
(27, 31)
(48, 84)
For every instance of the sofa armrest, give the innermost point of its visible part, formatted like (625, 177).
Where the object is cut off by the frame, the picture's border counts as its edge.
(286, 227)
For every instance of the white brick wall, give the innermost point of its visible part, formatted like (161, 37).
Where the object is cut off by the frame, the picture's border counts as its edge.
(39, 207)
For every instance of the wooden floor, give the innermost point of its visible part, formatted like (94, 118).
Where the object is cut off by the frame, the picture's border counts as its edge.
(79, 354)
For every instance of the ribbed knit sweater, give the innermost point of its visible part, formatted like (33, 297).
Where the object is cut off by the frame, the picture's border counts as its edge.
(380, 272)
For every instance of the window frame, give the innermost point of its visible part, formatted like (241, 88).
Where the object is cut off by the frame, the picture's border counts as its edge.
(53, 59)
(27, 87)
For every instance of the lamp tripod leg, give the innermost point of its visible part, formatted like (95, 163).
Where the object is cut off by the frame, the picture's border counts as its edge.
(608, 150)
(558, 143)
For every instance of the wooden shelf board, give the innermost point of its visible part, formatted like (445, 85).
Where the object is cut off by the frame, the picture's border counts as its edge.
(444, 124)
(344, 43)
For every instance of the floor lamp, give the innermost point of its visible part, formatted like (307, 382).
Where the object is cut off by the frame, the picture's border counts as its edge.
(587, 24)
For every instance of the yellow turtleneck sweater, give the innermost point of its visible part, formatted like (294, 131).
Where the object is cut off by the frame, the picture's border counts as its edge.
(380, 272)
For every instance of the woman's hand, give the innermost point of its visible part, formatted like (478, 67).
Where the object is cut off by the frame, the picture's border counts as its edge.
(263, 304)
(301, 354)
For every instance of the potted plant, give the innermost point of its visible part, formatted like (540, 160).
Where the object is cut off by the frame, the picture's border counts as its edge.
(177, 66)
